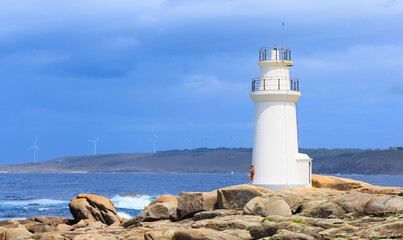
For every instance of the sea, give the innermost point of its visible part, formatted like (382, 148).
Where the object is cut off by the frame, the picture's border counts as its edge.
(24, 195)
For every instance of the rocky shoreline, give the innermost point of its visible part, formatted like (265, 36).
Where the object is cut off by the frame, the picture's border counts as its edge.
(333, 208)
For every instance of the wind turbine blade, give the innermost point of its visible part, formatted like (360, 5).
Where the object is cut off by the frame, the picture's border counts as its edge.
(37, 148)
(94, 141)
(30, 148)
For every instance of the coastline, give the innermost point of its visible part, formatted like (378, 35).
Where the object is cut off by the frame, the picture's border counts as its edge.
(332, 208)
(219, 160)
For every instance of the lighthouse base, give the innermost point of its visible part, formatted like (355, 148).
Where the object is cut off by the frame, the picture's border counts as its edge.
(281, 187)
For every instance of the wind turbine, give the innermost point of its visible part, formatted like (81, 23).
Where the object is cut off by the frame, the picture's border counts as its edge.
(231, 139)
(34, 147)
(155, 138)
(185, 140)
(95, 144)
(205, 140)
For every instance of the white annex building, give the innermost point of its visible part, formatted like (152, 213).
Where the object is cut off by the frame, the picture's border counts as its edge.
(277, 162)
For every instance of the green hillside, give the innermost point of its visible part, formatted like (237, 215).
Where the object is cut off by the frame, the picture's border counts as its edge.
(219, 160)
(366, 162)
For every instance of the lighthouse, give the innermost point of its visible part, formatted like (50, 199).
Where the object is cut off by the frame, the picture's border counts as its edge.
(277, 162)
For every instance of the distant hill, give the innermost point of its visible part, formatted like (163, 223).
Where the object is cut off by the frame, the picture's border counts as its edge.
(218, 160)
(365, 162)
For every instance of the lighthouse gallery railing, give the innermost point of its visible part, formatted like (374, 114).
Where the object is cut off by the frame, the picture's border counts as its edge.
(274, 53)
(263, 84)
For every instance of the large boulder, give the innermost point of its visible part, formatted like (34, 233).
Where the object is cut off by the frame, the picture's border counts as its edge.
(267, 206)
(135, 221)
(159, 235)
(190, 203)
(84, 223)
(54, 236)
(18, 233)
(241, 222)
(162, 199)
(51, 220)
(13, 223)
(244, 234)
(42, 227)
(387, 230)
(94, 227)
(318, 209)
(160, 208)
(311, 192)
(236, 197)
(160, 211)
(3, 233)
(323, 223)
(216, 213)
(271, 228)
(288, 235)
(370, 204)
(294, 199)
(89, 206)
(344, 231)
(342, 184)
(355, 204)
(304, 199)
(382, 190)
(205, 234)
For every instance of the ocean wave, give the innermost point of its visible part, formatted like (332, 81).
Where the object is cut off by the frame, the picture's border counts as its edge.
(33, 203)
(137, 203)
(43, 209)
(124, 215)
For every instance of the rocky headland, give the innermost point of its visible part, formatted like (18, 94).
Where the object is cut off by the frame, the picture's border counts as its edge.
(333, 208)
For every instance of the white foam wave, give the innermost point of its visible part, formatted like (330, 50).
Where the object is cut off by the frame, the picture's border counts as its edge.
(128, 202)
(124, 215)
(37, 202)
(43, 209)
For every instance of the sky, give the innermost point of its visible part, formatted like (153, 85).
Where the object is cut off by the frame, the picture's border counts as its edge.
(71, 71)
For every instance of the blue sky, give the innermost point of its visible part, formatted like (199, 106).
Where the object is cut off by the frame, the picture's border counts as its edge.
(76, 70)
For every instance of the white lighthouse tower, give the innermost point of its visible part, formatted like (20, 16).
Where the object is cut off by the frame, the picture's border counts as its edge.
(276, 160)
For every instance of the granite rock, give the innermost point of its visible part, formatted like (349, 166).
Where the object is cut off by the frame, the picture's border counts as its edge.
(236, 197)
(89, 206)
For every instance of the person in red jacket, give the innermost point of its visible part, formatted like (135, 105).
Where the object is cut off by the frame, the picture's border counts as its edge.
(251, 173)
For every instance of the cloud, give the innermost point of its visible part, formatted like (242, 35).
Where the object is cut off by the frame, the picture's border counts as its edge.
(122, 43)
(204, 85)
(379, 55)
(36, 17)
(359, 74)
(210, 87)
(33, 60)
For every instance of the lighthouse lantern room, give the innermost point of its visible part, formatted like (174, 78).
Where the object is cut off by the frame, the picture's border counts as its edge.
(277, 162)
